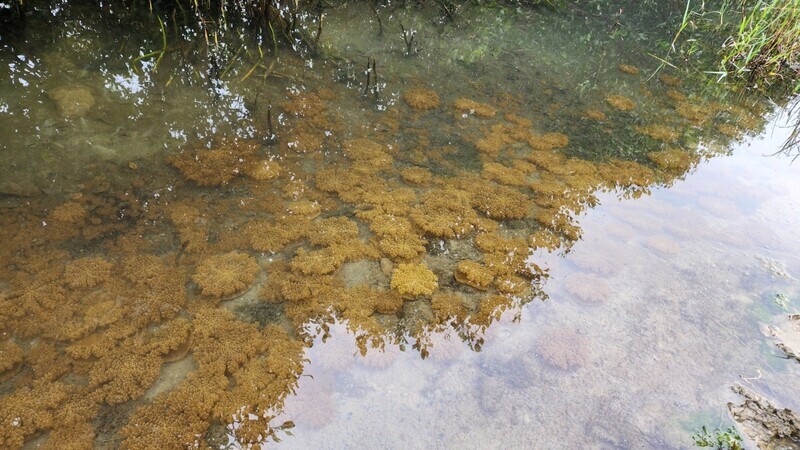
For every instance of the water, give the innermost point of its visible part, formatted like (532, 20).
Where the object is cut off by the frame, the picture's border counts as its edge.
(490, 235)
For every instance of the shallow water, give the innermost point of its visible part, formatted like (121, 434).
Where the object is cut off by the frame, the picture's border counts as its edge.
(492, 235)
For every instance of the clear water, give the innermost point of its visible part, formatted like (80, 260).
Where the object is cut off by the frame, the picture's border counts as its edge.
(177, 268)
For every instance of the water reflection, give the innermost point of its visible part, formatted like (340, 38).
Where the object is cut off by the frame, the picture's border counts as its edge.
(642, 361)
(171, 266)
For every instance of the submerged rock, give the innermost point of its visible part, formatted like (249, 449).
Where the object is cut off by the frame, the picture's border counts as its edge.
(72, 100)
(22, 188)
(563, 348)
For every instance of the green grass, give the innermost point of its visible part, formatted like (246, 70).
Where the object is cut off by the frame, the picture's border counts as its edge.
(718, 439)
(766, 46)
(751, 42)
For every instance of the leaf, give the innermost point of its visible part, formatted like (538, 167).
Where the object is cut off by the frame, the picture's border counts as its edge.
(286, 425)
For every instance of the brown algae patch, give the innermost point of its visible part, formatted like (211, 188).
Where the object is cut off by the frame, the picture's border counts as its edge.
(414, 280)
(69, 212)
(669, 80)
(629, 69)
(595, 115)
(10, 356)
(620, 102)
(674, 160)
(421, 98)
(474, 274)
(659, 132)
(263, 170)
(416, 175)
(481, 110)
(548, 141)
(225, 275)
(87, 272)
(224, 160)
(445, 213)
(728, 130)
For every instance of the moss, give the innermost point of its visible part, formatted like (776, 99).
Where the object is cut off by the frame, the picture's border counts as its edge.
(227, 274)
(413, 280)
(421, 98)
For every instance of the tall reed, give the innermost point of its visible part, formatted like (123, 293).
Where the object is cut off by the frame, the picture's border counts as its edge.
(765, 48)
